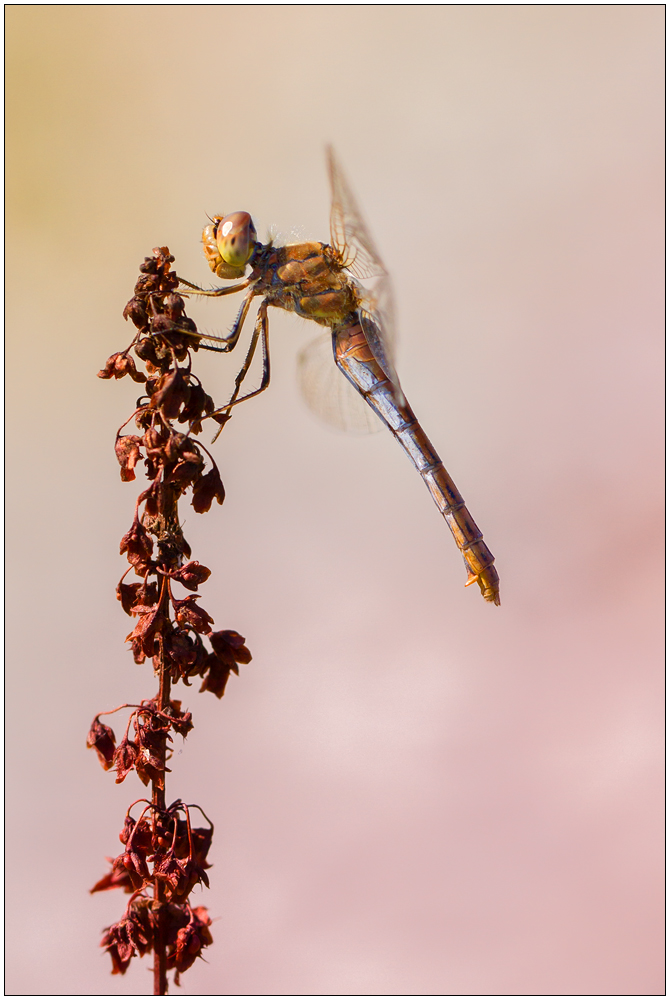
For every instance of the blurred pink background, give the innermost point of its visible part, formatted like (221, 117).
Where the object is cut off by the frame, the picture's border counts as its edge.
(413, 792)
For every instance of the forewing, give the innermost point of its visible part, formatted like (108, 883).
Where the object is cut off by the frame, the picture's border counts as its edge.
(348, 233)
(352, 240)
(328, 392)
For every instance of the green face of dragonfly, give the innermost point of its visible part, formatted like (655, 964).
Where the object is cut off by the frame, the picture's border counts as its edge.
(236, 239)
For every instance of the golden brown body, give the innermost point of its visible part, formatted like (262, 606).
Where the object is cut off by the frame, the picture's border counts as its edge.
(316, 281)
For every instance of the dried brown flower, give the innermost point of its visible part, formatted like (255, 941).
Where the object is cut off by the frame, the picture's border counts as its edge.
(139, 547)
(208, 488)
(119, 365)
(132, 935)
(128, 452)
(192, 575)
(188, 935)
(103, 741)
(229, 650)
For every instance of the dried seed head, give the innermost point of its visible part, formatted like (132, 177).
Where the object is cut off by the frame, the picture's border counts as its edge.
(162, 847)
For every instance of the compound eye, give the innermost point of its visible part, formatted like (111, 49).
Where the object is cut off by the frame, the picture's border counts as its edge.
(236, 238)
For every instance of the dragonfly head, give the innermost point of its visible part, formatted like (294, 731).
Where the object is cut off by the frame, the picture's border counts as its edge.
(229, 243)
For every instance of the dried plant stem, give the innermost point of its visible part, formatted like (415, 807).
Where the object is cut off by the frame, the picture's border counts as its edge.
(159, 906)
(167, 516)
(164, 856)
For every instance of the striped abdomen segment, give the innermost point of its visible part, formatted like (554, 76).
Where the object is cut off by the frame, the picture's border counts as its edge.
(355, 359)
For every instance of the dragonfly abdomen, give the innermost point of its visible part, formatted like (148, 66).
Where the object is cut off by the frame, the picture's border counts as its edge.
(379, 392)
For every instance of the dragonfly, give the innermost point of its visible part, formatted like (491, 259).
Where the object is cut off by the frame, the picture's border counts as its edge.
(344, 286)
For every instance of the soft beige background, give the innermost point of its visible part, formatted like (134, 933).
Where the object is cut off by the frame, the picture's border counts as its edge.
(414, 792)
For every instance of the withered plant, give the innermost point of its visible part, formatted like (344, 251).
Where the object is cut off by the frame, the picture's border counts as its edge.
(164, 854)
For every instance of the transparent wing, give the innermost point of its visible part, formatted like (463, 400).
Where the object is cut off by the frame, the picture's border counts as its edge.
(377, 316)
(329, 394)
(348, 233)
(359, 255)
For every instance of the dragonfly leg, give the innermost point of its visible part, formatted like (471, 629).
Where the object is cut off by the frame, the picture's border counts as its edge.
(228, 342)
(261, 330)
(197, 290)
(234, 335)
